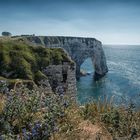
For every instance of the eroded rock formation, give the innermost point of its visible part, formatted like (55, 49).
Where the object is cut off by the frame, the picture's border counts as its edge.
(61, 79)
(79, 49)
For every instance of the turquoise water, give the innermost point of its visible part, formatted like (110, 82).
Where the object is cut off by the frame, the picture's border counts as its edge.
(122, 80)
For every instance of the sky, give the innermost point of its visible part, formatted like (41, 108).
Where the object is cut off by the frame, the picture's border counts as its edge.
(110, 21)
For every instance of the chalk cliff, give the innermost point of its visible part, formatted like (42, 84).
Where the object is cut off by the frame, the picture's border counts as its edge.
(78, 48)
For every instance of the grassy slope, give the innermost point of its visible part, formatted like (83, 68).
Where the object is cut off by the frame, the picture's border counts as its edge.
(22, 61)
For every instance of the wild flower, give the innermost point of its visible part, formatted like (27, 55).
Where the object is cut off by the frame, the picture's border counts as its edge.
(3, 86)
(26, 116)
(34, 132)
(25, 134)
(37, 125)
(1, 138)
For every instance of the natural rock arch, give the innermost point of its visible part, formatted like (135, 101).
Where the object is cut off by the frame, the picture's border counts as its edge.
(80, 52)
(79, 49)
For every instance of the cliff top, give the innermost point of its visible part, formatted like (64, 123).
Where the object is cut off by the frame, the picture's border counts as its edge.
(47, 40)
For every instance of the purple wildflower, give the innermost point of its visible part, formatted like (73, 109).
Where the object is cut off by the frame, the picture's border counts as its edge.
(34, 132)
(1, 138)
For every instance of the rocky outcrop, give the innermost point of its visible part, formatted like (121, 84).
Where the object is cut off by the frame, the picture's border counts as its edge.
(78, 48)
(61, 79)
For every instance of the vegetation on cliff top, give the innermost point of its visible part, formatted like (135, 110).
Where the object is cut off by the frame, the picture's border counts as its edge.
(22, 61)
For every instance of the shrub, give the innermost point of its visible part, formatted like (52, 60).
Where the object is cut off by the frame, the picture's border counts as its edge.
(6, 34)
(22, 61)
(36, 115)
(30, 114)
(120, 121)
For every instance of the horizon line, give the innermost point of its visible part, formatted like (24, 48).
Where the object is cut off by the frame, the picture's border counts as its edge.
(122, 44)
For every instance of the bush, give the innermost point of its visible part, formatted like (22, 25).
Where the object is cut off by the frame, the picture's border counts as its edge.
(19, 60)
(36, 115)
(30, 114)
(120, 121)
(6, 34)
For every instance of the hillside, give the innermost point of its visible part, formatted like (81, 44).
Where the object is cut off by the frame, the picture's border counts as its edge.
(23, 61)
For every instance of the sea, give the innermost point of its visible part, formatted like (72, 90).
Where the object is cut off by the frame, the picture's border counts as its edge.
(122, 82)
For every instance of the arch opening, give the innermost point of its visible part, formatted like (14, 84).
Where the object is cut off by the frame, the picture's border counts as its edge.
(86, 84)
(87, 68)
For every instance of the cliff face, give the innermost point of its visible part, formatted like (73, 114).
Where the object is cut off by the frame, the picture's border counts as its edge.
(78, 48)
(62, 79)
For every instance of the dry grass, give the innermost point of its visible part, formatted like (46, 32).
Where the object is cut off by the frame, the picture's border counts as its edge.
(2, 102)
(74, 127)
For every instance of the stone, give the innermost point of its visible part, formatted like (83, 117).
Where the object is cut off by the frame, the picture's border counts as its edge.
(79, 50)
(62, 79)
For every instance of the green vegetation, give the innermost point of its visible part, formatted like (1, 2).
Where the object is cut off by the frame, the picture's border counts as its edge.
(6, 34)
(29, 114)
(22, 61)
(32, 115)
(120, 121)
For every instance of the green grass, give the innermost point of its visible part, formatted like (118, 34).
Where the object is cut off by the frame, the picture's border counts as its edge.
(20, 60)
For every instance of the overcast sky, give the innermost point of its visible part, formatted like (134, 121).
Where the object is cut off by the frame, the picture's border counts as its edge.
(111, 21)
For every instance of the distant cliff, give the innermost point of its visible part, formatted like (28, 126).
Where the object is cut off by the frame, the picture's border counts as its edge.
(78, 48)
